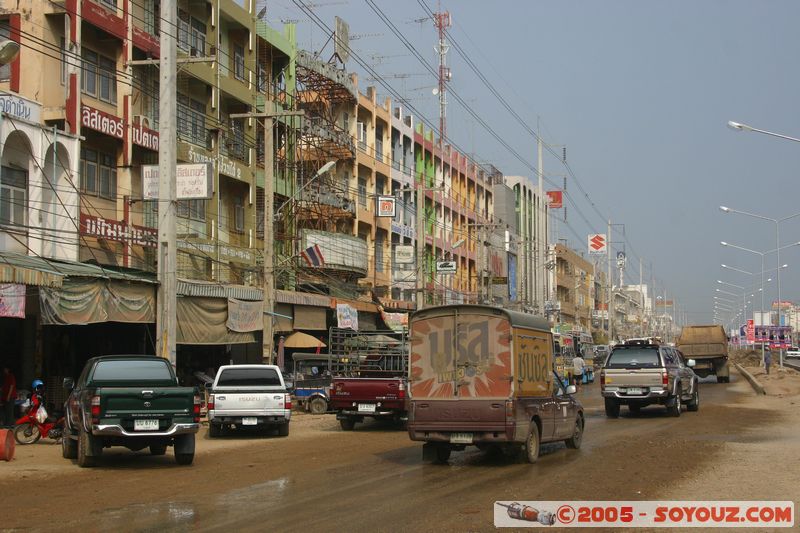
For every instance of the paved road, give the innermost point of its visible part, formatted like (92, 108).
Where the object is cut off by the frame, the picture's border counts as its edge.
(373, 479)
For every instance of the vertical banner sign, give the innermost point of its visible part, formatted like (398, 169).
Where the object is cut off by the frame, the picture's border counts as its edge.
(244, 316)
(12, 300)
(347, 317)
(598, 245)
(555, 199)
(751, 332)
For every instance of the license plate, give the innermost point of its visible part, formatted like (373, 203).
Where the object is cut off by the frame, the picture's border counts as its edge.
(461, 438)
(145, 425)
(249, 421)
(634, 391)
(366, 408)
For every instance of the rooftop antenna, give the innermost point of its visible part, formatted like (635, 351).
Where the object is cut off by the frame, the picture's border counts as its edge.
(442, 21)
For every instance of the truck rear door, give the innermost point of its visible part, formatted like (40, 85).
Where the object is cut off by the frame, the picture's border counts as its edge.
(249, 391)
(145, 408)
(634, 367)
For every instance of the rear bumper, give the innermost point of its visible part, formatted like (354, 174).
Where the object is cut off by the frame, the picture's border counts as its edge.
(498, 435)
(348, 413)
(115, 430)
(262, 418)
(652, 394)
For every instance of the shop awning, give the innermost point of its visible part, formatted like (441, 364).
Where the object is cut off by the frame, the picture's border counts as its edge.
(208, 289)
(303, 298)
(310, 318)
(29, 270)
(204, 321)
(92, 300)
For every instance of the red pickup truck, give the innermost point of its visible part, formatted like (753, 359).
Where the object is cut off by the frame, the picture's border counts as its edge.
(354, 398)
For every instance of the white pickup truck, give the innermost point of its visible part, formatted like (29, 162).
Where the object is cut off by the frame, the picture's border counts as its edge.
(249, 395)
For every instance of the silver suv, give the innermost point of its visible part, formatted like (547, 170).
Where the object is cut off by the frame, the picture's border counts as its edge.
(639, 374)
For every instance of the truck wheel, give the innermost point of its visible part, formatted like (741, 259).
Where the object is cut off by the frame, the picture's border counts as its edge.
(694, 404)
(214, 430)
(85, 443)
(184, 459)
(319, 406)
(675, 408)
(612, 408)
(532, 444)
(69, 448)
(158, 449)
(723, 379)
(574, 442)
(348, 424)
(634, 408)
(443, 453)
(283, 430)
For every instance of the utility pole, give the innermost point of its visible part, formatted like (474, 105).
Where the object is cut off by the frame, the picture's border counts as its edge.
(268, 301)
(539, 273)
(641, 302)
(420, 246)
(610, 287)
(167, 191)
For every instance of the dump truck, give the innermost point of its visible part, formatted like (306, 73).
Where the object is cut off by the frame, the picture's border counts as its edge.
(708, 346)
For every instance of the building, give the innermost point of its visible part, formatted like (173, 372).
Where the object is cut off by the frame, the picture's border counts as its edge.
(574, 290)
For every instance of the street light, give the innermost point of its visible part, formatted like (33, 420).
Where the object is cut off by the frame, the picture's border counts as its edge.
(762, 254)
(777, 222)
(324, 169)
(8, 51)
(744, 127)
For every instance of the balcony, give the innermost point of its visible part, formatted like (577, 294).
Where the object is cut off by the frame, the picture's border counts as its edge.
(345, 255)
(323, 78)
(321, 140)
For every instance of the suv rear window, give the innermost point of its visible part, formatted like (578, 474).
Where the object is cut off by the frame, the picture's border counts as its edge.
(249, 377)
(634, 357)
(132, 370)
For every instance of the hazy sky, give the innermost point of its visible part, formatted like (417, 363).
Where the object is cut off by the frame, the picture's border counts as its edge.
(640, 93)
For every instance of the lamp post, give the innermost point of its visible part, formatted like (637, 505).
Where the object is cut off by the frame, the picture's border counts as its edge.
(9, 50)
(777, 222)
(744, 127)
(762, 254)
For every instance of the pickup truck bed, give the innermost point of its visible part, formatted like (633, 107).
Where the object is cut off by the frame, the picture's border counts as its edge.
(354, 398)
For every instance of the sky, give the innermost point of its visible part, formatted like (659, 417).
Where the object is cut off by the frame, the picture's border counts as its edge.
(640, 92)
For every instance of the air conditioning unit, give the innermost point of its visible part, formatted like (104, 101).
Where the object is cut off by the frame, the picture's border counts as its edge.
(141, 120)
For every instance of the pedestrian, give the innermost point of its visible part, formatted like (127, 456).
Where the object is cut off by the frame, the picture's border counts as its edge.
(8, 396)
(578, 366)
(767, 359)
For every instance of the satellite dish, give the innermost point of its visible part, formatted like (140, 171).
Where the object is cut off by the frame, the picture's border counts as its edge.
(435, 91)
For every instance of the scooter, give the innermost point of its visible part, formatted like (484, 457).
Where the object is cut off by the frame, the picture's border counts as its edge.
(28, 429)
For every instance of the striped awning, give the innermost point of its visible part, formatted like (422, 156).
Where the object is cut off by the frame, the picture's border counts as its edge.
(27, 270)
(218, 290)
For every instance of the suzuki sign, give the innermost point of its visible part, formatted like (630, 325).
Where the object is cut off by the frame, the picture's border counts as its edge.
(598, 245)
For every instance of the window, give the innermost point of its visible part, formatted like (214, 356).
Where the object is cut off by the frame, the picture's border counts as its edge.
(63, 61)
(361, 131)
(238, 215)
(13, 196)
(235, 144)
(248, 377)
(379, 252)
(191, 34)
(362, 191)
(192, 209)
(379, 142)
(132, 370)
(98, 173)
(259, 212)
(346, 122)
(108, 80)
(5, 33)
(152, 16)
(145, 80)
(238, 61)
(633, 357)
(89, 84)
(192, 120)
(262, 79)
(112, 4)
(99, 76)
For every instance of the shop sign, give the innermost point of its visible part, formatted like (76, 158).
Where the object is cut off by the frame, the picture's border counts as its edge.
(193, 181)
(17, 106)
(387, 206)
(230, 253)
(403, 254)
(12, 300)
(118, 231)
(225, 165)
(101, 121)
(244, 316)
(144, 137)
(346, 317)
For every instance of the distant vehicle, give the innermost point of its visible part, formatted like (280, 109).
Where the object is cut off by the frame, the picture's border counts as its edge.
(132, 401)
(249, 396)
(313, 377)
(483, 376)
(639, 374)
(794, 352)
(708, 346)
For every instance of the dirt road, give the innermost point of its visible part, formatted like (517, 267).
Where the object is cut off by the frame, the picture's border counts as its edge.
(373, 479)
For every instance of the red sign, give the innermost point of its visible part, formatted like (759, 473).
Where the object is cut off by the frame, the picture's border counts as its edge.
(597, 244)
(750, 332)
(555, 199)
(118, 231)
(145, 137)
(103, 122)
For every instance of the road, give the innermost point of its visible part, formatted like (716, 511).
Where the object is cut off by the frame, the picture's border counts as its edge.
(373, 479)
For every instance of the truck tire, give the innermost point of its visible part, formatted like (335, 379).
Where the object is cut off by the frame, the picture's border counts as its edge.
(532, 444)
(214, 430)
(69, 448)
(675, 408)
(574, 442)
(348, 424)
(183, 446)
(85, 444)
(443, 453)
(723, 379)
(283, 430)
(694, 403)
(158, 449)
(318, 406)
(634, 408)
(612, 408)
(184, 459)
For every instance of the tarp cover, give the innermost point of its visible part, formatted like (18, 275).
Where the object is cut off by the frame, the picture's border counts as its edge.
(88, 301)
(203, 321)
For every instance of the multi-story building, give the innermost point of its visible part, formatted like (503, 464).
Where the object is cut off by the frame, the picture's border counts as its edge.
(574, 288)
(404, 223)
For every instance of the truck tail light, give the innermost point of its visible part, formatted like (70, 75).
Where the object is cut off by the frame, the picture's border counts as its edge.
(602, 379)
(210, 403)
(95, 409)
(196, 408)
(665, 379)
(401, 391)
(509, 410)
(287, 401)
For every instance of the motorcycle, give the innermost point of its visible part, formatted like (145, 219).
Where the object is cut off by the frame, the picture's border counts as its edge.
(35, 423)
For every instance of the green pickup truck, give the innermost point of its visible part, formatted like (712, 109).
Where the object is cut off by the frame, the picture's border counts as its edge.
(132, 401)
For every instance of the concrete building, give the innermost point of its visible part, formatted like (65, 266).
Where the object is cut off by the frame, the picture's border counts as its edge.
(574, 290)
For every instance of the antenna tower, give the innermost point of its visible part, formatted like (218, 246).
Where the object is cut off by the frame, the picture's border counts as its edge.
(442, 21)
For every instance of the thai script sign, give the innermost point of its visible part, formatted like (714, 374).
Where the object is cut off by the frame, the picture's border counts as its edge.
(118, 231)
(231, 253)
(225, 164)
(244, 316)
(144, 137)
(103, 122)
(193, 181)
(17, 106)
(347, 317)
(12, 300)
(403, 254)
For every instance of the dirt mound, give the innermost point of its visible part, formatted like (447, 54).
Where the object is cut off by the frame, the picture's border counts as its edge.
(746, 357)
(780, 382)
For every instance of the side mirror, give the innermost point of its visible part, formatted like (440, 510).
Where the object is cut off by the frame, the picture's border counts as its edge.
(690, 363)
(571, 389)
(69, 383)
(208, 385)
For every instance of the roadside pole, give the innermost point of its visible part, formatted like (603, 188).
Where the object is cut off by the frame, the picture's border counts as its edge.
(167, 224)
(420, 252)
(268, 300)
(610, 287)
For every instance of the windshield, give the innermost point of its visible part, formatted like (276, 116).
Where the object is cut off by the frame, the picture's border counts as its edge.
(634, 357)
(132, 370)
(249, 377)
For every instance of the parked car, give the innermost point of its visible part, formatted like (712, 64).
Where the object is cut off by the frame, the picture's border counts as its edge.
(132, 401)
(249, 396)
(794, 352)
(638, 374)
